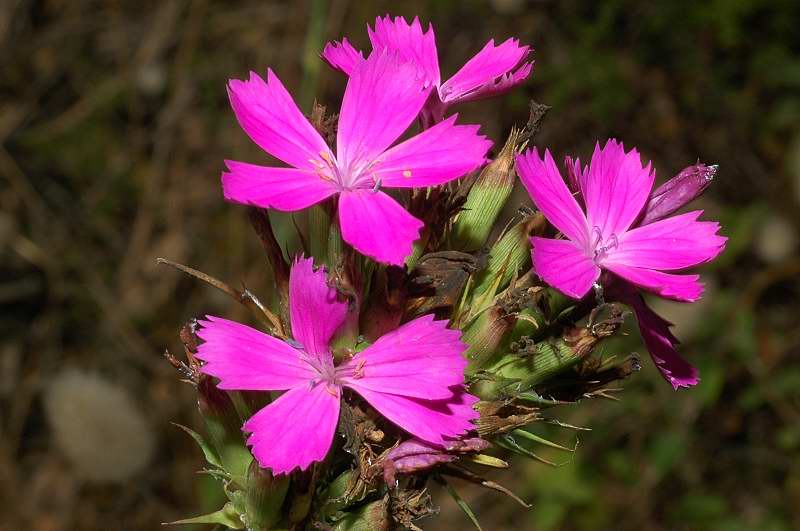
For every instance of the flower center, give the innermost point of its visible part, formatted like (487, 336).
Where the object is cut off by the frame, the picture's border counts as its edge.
(599, 247)
(353, 177)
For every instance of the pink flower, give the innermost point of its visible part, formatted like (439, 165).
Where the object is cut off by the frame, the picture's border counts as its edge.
(615, 188)
(491, 72)
(413, 375)
(383, 97)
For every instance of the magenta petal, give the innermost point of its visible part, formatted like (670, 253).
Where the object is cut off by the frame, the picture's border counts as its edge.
(285, 189)
(316, 309)
(679, 287)
(437, 155)
(377, 226)
(383, 97)
(563, 265)
(296, 429)
(429, 420)
(489, 72)
(244, 358)
(550, 194)
(661, 344)
(409, 42)
(616, 188)
(671, 243)
(420, 359)
(270, 117)
(342, 56)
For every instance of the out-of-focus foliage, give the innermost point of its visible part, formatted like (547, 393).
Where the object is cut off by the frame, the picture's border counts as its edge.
(113, 128)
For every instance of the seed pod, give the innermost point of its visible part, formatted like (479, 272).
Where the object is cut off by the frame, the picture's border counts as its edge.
(486, 199)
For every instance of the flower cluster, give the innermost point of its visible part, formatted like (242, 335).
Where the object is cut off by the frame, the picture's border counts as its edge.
(368, 342)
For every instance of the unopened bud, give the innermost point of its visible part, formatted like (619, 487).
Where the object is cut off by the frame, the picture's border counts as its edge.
(415, 455)
(264, 498)
(486, 199)
(224, 426)
(509, 255)
(678, 191)
(373, 516)
(486, 337)
(574, 173)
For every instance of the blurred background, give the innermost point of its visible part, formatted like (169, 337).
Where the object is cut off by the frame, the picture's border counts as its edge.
(114, 124)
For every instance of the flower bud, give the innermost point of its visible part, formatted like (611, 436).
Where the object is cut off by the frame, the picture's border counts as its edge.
(319, 228)
(264, 498)
(486, 336)
(509, 255)
(486, 199)
(224, 427)
(371, 517)
(678, 191)
(415, 455)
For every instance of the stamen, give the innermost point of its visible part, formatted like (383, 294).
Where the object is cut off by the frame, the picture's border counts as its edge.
(407, 174)
(359, 370)
(612, 243)
(377, 185)
(597, 236)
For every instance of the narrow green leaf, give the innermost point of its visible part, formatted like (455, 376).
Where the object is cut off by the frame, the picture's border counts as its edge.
(208, 452)
(461, 504)
(488, 460)
(510, 444)
(541, 440)
(226, 516)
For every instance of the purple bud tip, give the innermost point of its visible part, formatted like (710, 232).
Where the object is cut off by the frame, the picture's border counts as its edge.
(678, 191)
(710, 172)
